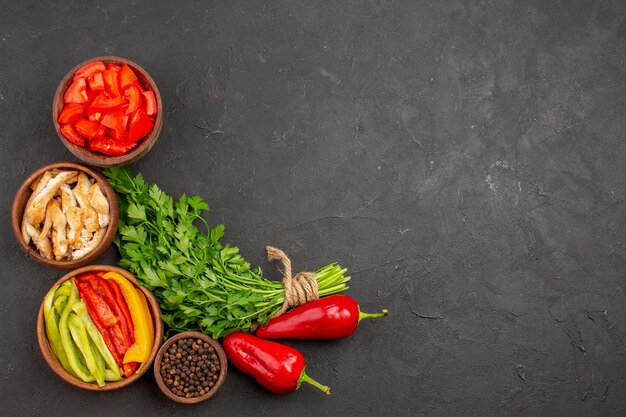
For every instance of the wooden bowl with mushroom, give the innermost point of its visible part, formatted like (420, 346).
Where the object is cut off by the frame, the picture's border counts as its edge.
(65, 215)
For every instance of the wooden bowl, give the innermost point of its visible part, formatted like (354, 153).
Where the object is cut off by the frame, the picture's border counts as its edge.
(220, 379)
(56, 366)
(96, 158)
(24, 193)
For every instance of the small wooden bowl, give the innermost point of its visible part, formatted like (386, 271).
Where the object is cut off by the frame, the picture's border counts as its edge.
(24, 193)
(220, 379)
(56, 366)
(96, 158)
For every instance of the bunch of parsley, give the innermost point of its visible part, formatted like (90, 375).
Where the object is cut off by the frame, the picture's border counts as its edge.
(200, 283)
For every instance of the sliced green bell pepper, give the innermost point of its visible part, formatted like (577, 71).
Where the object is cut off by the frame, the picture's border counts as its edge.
(74, 356)
(80, 337)
(113, 370)
(52, 327)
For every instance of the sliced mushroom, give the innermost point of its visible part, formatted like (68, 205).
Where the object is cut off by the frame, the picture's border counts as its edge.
(68, 199)
(75, 225)
(90, 245)
(41, 183)
(81, 190)
(36, 210)
(59, 238)
(98, 201)
(43, 244)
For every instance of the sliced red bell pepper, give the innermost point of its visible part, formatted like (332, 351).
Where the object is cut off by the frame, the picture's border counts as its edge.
(72, 135)
(104, 104)
(117, 337)
(129, 368)
(114, 67)
(71, 112)
(117, 123)
(76, 92)
(110, 146)
(149, 101)
(140, 126)
(96, 81)
(96, 303)
(127, 77)
(111, 83)
(133, 95)
(87, 128)
(121, 302)
(109, 297)
(88, 69)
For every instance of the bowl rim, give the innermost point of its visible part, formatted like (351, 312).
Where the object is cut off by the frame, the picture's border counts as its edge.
(220, 379)
(19, 205)
(94, 158)
(55, 365)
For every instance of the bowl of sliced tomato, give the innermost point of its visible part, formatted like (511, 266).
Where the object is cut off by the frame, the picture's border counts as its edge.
(108, 111)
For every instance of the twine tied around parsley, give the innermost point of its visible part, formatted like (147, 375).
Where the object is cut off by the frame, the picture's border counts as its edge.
(299, 289)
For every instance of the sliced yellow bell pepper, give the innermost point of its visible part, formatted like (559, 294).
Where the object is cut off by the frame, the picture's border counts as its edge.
(142, 321)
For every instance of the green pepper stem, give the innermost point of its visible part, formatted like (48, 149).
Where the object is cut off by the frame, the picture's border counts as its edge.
(363, 315)
(305, 378)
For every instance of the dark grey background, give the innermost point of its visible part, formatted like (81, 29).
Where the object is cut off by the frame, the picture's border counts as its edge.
(465, 160)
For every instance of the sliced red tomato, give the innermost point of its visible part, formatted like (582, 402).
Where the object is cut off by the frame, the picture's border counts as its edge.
(96, 81)
(88, 69)
(72, 135)
(114, 67)
(133, 95)
(127, 77)
(110, 146)
(102, 132)
(71, 112)
(140, 126)
(149, 101)
(111, 83)
(95, 116)
(76, 92)
(119, 136)
(87, 128)
(117, 123)
(104, 104)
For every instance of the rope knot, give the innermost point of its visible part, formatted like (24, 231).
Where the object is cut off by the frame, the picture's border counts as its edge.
(299, 289)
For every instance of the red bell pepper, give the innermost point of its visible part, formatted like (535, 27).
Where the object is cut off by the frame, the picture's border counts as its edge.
(119, 342)
(96, 304)
(331, 317)
(72, 135)
(129, 368)
(89, 69)
(117, 292)
(71, 113)
(76, 92)
(127, 77)
(114, 67)
(277, 367)
(150, 103)
(112, 302)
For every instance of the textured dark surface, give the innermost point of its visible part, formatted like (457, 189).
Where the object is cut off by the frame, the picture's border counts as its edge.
(465, 160)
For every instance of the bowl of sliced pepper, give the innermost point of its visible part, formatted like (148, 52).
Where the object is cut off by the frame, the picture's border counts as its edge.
(108, 111)
(98, 329)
